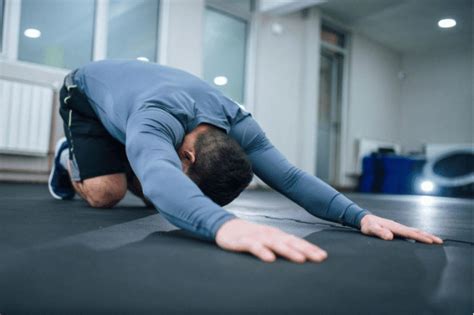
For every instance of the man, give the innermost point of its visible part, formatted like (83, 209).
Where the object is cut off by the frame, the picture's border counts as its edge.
(193, 150)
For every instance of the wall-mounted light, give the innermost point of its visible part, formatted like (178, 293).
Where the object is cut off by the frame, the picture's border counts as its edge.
(143, 59)
(32, 33)
(447, 23)
(220, 80)
(277, 29)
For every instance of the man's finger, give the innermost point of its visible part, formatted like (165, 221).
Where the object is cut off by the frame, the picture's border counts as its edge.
(311, 251)
(261, 252)
(410, 233)
(286, 251)
(435, 239)
(381, 232)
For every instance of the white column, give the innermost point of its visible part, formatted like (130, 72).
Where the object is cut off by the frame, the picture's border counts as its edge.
(100, 30)
(163, 31)
(184, 45)
(11, 29)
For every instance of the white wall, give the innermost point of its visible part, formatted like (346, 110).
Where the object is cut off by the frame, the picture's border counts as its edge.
(437, 97)
(374, 98)
(286, 77)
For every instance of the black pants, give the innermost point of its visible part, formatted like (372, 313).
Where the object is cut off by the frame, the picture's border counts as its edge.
(92, 150)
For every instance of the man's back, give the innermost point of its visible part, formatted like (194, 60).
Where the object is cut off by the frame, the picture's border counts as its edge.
(118, 88)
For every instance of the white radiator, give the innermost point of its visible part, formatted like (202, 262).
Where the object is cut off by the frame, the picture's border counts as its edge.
(25, 117)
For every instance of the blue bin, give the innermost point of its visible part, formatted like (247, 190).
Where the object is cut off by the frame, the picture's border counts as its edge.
(390, 174)
(366, 181)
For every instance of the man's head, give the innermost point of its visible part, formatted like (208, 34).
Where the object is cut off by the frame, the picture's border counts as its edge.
(216, 163)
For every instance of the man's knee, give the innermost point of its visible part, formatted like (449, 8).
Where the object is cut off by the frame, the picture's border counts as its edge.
(103, 201)
(105, 191)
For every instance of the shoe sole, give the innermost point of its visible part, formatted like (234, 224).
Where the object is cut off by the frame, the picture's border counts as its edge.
(50, 188)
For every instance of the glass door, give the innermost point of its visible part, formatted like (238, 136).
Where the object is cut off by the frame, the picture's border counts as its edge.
(329, 116)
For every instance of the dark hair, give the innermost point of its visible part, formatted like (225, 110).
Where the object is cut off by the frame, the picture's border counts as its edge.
(221, 169)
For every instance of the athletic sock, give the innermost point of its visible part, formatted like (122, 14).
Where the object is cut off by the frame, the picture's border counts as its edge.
(64, 158)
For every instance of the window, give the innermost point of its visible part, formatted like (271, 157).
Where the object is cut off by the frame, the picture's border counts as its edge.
(2, 6)
(225, 38)
(57, 33)
(133, 29)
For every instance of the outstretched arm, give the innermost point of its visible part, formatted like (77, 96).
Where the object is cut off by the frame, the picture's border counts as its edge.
(152, 137)
(311, 193)
(306, 190)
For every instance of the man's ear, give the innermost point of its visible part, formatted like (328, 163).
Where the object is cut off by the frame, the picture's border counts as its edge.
(189, 155)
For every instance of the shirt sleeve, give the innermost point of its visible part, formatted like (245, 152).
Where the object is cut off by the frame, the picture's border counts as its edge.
(308, 191)
(152, 137)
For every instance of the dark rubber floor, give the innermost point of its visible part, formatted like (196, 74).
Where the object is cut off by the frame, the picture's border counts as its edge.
(64, 257)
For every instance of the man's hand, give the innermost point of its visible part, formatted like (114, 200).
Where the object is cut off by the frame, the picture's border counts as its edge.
(387, 229)
(266, 242)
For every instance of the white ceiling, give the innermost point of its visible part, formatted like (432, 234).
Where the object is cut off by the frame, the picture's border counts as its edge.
(407, 26)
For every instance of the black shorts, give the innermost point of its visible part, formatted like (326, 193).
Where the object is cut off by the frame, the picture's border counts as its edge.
(92, 150)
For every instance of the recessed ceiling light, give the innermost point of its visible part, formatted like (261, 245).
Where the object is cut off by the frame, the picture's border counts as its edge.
(447, 23)
(220, 80)
(143, 59)
(32, 33)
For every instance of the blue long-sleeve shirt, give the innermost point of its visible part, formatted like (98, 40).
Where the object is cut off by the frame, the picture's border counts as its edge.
(150, 108)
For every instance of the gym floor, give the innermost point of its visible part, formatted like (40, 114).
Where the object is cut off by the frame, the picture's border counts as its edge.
(64, 257)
